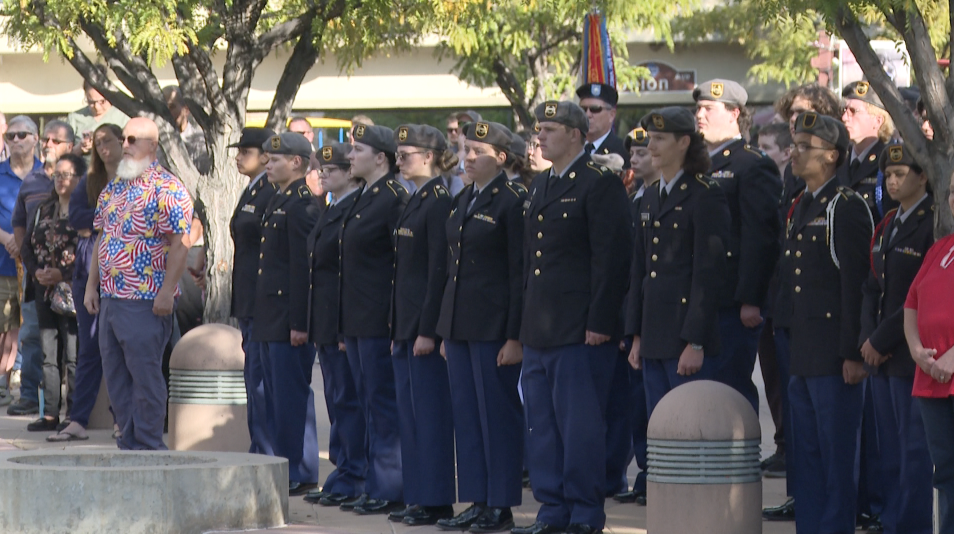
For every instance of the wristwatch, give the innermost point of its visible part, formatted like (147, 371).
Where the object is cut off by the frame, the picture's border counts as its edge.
(695, 346)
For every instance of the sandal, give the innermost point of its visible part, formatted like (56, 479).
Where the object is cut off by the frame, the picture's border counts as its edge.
(65, 436)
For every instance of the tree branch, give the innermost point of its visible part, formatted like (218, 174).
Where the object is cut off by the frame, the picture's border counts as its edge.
(514, 91)
(303, 58)
(193, 90)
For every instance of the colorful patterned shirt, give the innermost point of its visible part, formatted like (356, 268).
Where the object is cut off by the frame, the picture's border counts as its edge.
(135, 216)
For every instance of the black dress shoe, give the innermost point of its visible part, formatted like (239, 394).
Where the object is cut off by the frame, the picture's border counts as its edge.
(870, 522)
(580, 528)
(641, 498)
(463, 520)
(348, 506)
(493, 520)
(785, 512)
(774, 465)
(378, 506)
(43, 424)
(526, 478)
(22, 407)
(315, 495)
(398, 515)
(537, 528)
(300, 488)
(626, 496)
(334, 499)
(428, 515)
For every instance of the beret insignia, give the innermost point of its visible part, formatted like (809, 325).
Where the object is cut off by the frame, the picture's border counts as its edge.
(861, 89)
(550, 110)
(359, 131)
(326, 153)
(717, 89)
(402, 134)
(658, 121)
(481, 130)
(276, 142)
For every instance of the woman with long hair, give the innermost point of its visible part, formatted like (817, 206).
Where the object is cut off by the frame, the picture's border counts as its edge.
(480, 323)
(105, 157)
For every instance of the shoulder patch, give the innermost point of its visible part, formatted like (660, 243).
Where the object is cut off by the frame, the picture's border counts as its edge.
(304, 192)
(516, 188)
(845, 191)
(755, 150)
(440, 191)
(395, 187)
(706, 181)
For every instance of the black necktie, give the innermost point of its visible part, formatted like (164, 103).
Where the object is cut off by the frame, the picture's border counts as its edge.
(895, 226)
(589, 148)
(663, 195)
(473, 200)
(804, 205)
(853, 168)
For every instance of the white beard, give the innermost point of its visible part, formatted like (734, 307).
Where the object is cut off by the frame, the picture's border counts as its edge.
(130, 169)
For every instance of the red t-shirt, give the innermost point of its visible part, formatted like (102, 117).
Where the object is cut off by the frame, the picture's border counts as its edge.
(932, 295)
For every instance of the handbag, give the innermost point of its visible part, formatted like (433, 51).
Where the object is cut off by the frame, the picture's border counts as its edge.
(61, 301)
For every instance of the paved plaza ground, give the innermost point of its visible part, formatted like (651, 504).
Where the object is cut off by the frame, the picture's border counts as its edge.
(307, 518)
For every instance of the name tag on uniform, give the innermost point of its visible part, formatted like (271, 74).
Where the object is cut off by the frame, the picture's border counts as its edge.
(723, 174)
(405, 232)
(644, 216)
(485, 218)
(567, 200)
(678, 208)
(819, 221)
(908, 251)
(278, 212)
(872, 181)
(248, 208)
(526, 204)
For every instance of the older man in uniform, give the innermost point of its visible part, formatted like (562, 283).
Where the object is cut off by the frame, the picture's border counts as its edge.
(752, 187)
(281, 310)
(599, 101)
(246, 230)
(577, 246)
(827, 238)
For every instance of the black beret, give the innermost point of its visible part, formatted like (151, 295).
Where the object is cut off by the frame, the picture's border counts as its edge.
(606, 93)
(518, 147)
(563, 112)
(896, 154)
(492, 133)
(672, 119)
(720, 90)
(288, 143)
(253, 138)
(377, 137)
(468, 116)
(861, 91)
(421, 136)
(637, 137)
(335, 154)
(825, 128)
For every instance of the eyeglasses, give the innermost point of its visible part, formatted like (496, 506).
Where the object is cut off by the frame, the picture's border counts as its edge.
(99, 102)
(451, 131)
(132, 139)
(63, 176)
(54, 140)
(328, 169)
(854, 111)
(593, 109)
(10, 136)
(533, 146)
(805, 147)
(404, 155)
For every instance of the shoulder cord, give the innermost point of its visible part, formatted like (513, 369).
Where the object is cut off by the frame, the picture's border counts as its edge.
(830, 231)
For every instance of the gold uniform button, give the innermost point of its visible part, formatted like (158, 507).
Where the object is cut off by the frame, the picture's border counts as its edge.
(798, 254)
(656, 224)
(675, 225)
(539, 235)
(798, 289)
(358, 216)
(814, 238)
(828, 315)
(799, 237)
(564, 215)
(540, 217)
(729, 254)
(655, 240)
(263, 239)
(655, 257)
(261, 255)
(683, 301)
(279, 291)
(457, 262)
(536, 272)
(652, 274)
(865, 196)
(455, 278)
(259, 271)
(788, 252)
(798, 272)
(539, 253)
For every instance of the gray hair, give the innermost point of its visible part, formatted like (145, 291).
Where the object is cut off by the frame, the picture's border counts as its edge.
(60, 125)
(26, 122)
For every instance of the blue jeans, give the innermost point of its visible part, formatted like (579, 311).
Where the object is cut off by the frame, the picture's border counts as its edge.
(938, 415)
(31, 369)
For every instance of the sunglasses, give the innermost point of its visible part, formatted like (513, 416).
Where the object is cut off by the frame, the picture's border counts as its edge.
(593, 109)
(10, 136)
(54, 140)
(132, 139)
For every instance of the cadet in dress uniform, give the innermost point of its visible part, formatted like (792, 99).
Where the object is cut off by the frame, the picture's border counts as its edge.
(367, 275)
(420, 373)
(898, 248)
(869, 127)
(752, 186)
(631, 408)
(281, 310)
(577, 239)
(678, 261)
(827, 236)
(599, 101)
(347, 481)
(246, 230)
(480, 324)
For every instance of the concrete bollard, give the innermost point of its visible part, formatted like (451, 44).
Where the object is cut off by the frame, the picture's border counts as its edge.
(703, 449)
(207, 402)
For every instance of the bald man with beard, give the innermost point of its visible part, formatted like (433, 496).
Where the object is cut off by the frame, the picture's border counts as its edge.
(144, 217)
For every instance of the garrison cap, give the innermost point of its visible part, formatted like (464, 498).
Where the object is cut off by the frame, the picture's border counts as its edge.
(421, 136)
(719, 90)
(602, 91)
(861, 91)
(896, 154)
(671, 119)
(637, 137)
(377, 137)
(492, 133)
(253, 138)
(518, 147)
(335, 154)
(825, 128)
(288, 143)
(563, 112)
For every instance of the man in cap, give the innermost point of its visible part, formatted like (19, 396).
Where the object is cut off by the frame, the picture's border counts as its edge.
(869, 127)
(246, 231)
(577, 241)
(281, 310)
(599, 101)
(752, 187)
(827, 235)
